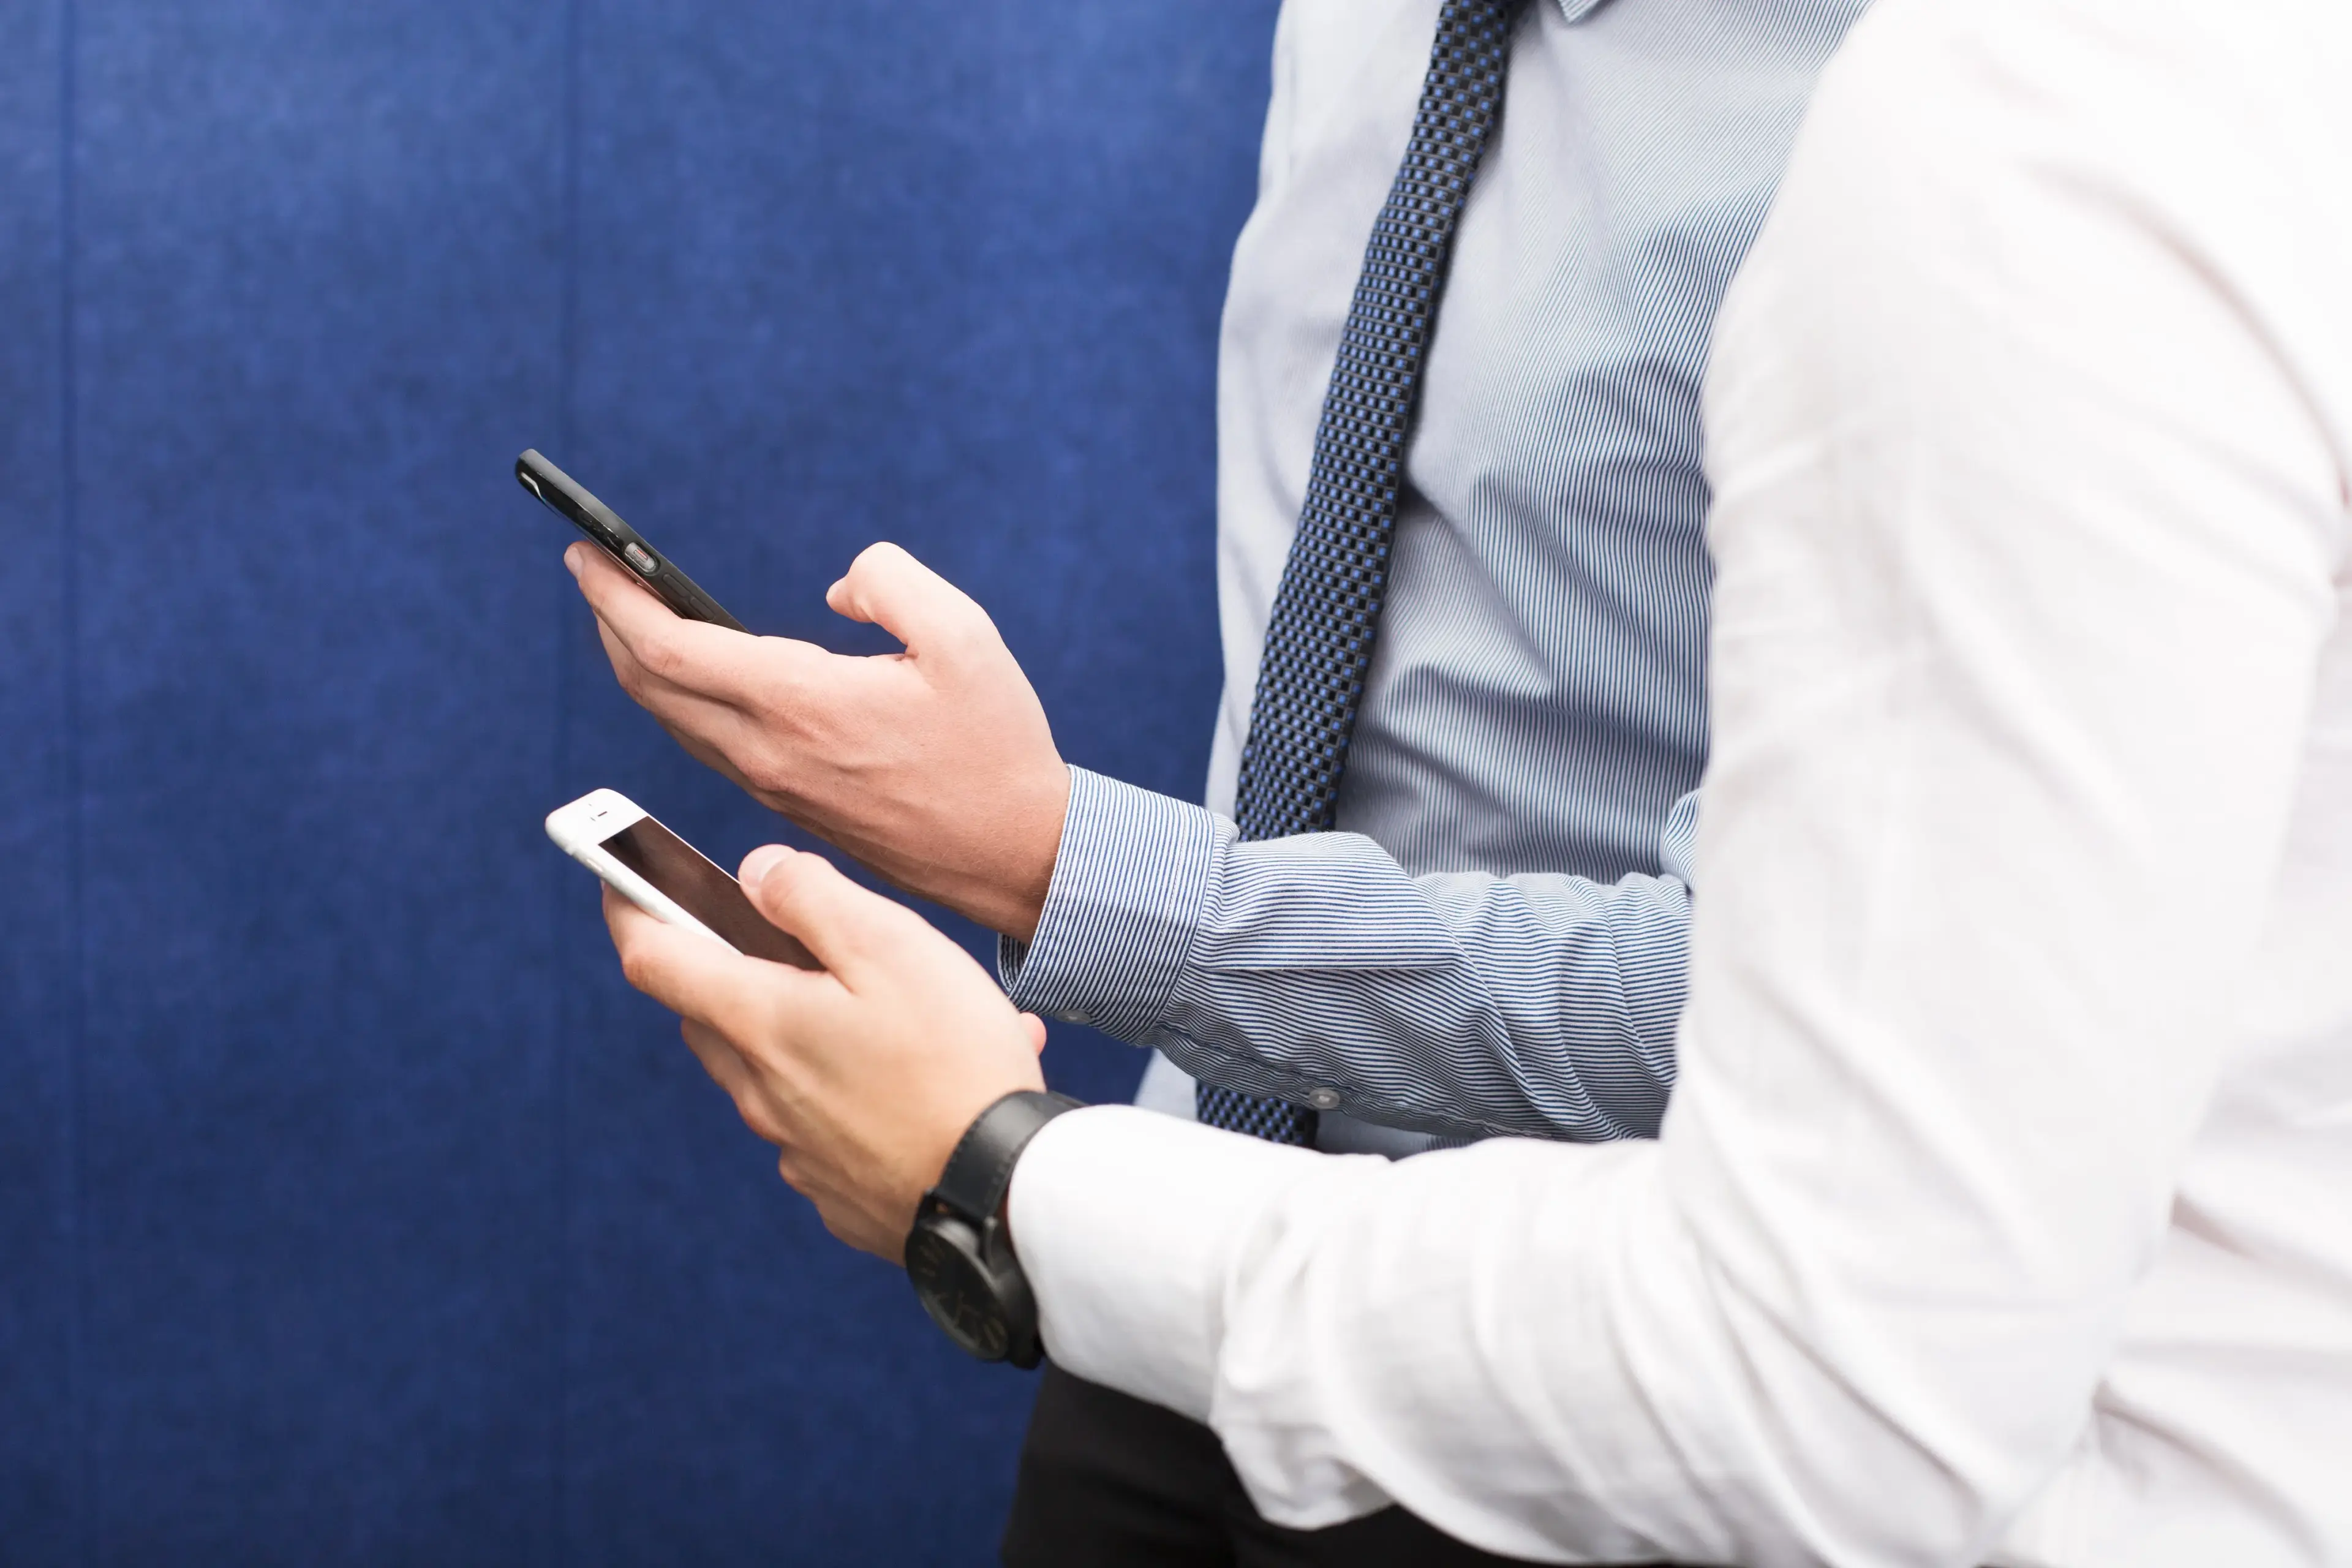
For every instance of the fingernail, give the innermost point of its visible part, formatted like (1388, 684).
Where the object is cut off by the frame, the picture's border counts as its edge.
(571, 560)
(761, 861)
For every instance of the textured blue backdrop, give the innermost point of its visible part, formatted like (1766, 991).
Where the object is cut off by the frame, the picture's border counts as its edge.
(351, 1210)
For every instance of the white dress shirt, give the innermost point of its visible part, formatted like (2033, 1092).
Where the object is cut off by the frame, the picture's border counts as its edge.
(2003, 1210)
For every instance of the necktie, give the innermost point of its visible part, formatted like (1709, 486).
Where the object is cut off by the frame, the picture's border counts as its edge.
(1319, 641)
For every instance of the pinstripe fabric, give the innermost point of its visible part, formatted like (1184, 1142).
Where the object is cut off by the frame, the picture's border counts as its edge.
(1328, 614)
(1494, 939)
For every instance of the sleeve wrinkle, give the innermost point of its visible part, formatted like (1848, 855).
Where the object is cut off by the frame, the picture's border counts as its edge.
(1467, 1006)
(1533, 1005)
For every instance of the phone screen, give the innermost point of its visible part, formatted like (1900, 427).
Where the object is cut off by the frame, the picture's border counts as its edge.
(703, 890)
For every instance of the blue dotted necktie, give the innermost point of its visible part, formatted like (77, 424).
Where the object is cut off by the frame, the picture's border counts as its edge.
(1319, 641)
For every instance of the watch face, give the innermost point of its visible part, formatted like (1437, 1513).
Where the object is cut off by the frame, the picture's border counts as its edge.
(957, 1289)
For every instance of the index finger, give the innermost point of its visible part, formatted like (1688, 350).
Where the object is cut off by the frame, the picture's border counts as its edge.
(704, 980)
(693, 655)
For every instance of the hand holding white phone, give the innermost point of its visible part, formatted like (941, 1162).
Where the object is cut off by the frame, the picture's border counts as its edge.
(664, 876)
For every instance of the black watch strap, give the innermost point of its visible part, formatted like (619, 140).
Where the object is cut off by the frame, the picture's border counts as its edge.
(981, 1169)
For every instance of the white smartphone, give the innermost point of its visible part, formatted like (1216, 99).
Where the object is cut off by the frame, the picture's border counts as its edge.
(664, 876)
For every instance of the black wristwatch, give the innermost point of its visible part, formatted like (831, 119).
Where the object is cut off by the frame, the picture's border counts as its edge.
(958, 1254)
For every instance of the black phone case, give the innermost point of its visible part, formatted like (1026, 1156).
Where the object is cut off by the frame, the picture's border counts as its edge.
(564, 497)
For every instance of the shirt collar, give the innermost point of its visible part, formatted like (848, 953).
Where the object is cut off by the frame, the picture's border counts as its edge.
(1577, 10)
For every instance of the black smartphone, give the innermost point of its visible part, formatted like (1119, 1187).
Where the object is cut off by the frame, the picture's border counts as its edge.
(569, 499)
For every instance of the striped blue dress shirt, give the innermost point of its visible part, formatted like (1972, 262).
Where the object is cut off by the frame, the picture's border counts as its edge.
(1493, 942)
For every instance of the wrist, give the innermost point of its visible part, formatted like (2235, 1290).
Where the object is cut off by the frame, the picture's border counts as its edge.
(1034, 877)
(960, 1255)
(1019, 856)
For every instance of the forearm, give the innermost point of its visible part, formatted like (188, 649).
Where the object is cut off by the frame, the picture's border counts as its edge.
(2028, 552)
(1458, 1004)
(1509, 1406)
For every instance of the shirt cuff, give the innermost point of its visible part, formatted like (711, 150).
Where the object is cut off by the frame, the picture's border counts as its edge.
(1125, 1222)
(1129, 883)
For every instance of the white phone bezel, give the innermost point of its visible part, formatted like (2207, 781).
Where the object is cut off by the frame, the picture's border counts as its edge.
(579, 830)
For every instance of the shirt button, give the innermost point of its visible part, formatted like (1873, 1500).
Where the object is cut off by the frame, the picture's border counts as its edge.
(1323, 1099)
(1076, 1018)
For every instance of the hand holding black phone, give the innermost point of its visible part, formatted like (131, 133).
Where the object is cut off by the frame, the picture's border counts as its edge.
(569, 499)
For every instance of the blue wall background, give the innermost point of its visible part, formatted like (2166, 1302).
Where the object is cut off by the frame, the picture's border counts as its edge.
(350, 1209)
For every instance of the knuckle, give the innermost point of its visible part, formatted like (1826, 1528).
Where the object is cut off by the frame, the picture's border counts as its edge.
(760, 1117)
(766, 772)
(796, 1175)
(660, 654)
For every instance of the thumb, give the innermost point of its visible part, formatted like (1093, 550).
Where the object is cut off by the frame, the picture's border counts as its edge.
(849, 930)
(890, 588)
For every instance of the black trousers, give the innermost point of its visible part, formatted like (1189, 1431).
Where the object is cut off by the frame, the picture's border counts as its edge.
(1110, 1481)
